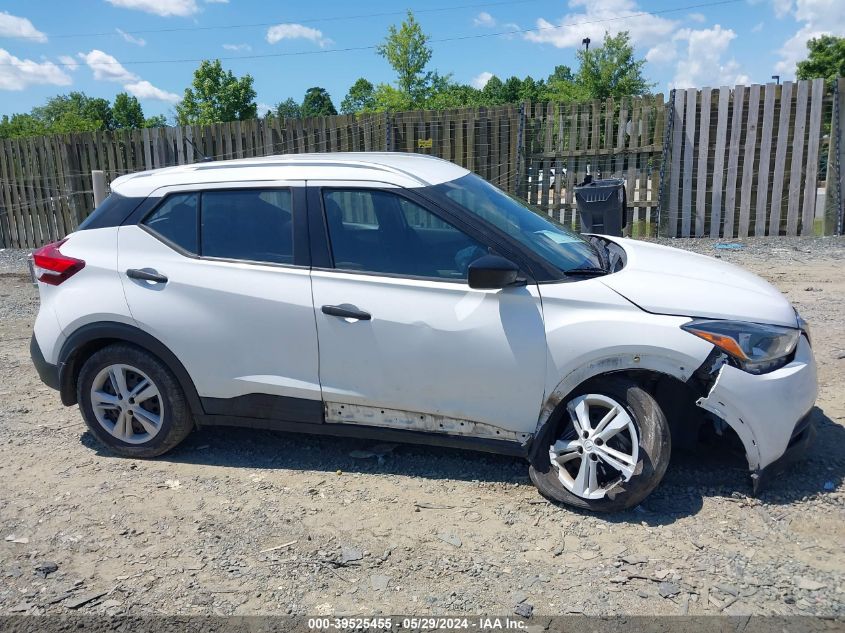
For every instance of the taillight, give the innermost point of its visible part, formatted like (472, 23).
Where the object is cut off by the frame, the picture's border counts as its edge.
(52, 267)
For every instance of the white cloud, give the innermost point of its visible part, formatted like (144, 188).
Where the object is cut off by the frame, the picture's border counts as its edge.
(237, 47)
(663, 53)
(13, 26)
(164, 8)
(17, 74)
(757, 27)
(480, 80)
(106, 67)
(263, 109)
(703, 64)
(145, 90)
(296, 32)
(782, 7)
(484, 19)
(217, 1)
(697, 17)
(817, 17)
(128, 37)
(598, 16)
(69, 62)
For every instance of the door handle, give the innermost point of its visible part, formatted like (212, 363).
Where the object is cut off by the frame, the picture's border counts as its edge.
(146, 275)
(347, 311)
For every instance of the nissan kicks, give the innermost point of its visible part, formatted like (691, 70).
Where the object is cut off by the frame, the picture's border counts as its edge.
(401, 297)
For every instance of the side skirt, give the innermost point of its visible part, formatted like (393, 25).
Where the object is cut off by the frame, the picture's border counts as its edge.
(486, 445)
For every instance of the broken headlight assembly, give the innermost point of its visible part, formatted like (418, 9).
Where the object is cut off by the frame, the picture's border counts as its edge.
(752, 347)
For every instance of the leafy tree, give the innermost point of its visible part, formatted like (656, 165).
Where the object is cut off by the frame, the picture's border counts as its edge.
(127, 112)
(561, 73)
(826, 59)
(288, 109)
(317, 102)
(216, 96)
(75, 112)
(532, 90)
(454, 96)
(406, 49)
(511, 90)
(21, 125)
(387, 98)
(359, 98)
(493, 92)
(158, 120)
(611, 70)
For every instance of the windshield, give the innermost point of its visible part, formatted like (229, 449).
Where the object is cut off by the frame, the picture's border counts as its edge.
(561, 247)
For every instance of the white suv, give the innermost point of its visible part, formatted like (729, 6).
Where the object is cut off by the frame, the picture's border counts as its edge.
(397, 296)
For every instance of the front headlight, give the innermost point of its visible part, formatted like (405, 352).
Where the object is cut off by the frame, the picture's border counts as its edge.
(753, 347)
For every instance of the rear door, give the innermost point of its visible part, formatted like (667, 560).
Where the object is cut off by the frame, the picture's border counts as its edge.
(426, 352)
(221, 277)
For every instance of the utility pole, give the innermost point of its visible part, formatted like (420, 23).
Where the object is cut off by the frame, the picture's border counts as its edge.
(586, 43)
(776, 78)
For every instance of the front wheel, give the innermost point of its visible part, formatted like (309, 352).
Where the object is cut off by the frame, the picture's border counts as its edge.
(608, 452)
(132, 403)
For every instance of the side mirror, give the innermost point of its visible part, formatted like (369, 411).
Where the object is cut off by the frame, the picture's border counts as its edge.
(491, 272)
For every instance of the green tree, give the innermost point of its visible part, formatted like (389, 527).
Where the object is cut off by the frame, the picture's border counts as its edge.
(406, 49)
(75, 112)
(127, 112)
(611, 70)
(387, 98)
(454, 96)
(562, 86)
(826, 59)
(493, 92)
(561, 73)
(216, 96)
(21, 125)
(359, 98)
(317, 102)
(158, 120)
(288, 109)
(511, 89)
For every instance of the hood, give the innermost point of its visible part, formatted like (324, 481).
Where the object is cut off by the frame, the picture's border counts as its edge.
(666, 280)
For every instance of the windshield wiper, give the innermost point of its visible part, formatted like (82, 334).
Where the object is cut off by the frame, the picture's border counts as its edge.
(585, 272)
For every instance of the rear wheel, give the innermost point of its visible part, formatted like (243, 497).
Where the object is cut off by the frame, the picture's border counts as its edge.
(132, 403)
(609, 451)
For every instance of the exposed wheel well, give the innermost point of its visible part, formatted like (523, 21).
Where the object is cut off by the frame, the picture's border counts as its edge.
(676, 398)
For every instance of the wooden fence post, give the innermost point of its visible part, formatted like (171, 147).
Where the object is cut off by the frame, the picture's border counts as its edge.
(98, 177)
(833, 190)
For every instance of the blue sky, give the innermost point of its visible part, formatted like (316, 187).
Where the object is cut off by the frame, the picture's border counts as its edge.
(103, 47)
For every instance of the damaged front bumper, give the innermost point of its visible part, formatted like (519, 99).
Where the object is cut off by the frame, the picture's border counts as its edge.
(769, 412)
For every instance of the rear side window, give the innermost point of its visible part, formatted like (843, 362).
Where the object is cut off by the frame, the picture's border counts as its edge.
(176, 220)
(250, 224)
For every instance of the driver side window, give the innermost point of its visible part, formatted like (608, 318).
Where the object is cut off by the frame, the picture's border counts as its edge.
(378, 231)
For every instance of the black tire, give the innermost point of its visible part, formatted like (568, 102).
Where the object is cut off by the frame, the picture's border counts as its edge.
(177, 423)
(655, 447)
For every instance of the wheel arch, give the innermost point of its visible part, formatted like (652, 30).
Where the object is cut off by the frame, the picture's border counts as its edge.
(663, 377)
(90, 338)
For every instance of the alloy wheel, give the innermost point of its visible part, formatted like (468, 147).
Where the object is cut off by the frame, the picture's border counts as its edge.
(127, 404)
(598, 448)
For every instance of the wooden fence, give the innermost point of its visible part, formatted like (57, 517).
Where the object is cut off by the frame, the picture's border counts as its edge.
(726, 163)
(622, 139)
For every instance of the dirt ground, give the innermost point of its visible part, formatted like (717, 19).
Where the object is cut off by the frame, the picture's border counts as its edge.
(256, 522)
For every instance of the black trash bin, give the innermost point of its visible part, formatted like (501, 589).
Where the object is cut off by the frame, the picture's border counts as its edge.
(601, 206)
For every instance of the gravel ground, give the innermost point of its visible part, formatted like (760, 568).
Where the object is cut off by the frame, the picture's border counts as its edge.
(246, 522)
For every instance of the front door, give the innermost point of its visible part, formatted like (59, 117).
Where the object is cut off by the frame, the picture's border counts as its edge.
(404, 341)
